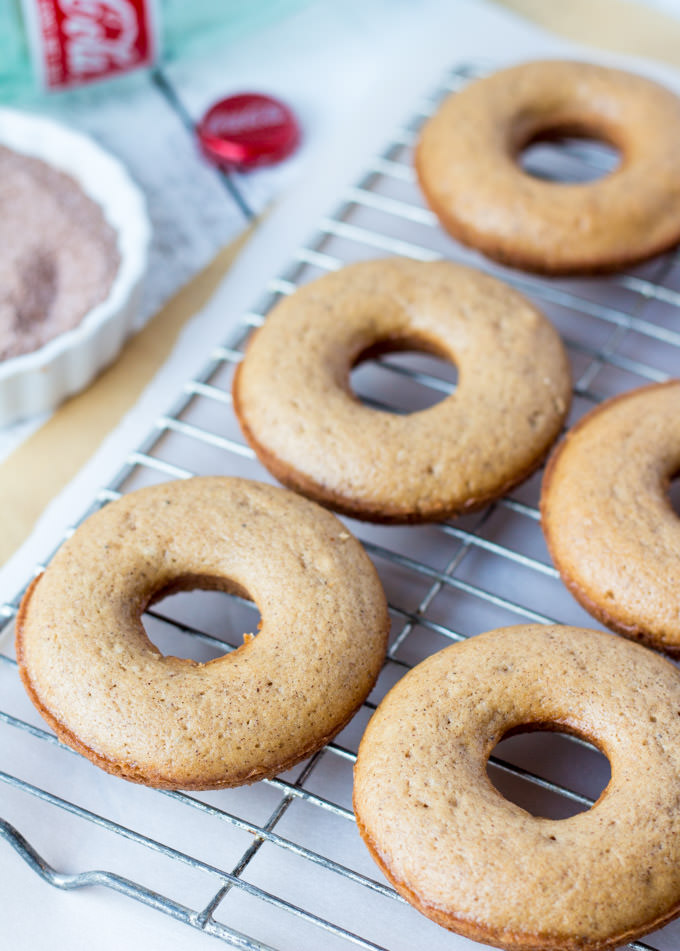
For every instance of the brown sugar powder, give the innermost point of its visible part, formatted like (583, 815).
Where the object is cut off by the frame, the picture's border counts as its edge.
(58, 254)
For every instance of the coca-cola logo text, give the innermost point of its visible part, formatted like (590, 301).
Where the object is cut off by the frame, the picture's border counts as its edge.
(99, 33)
(252, 116)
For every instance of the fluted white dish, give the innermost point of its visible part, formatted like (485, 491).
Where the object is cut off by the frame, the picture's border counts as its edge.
(37, 381)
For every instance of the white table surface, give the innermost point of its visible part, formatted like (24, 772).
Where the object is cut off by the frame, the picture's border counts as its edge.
(351, 71)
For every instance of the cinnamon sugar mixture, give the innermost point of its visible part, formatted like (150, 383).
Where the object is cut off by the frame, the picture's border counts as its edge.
(58, 254)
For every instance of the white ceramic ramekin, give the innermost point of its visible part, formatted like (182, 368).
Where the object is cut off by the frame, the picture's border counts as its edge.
(40, 380)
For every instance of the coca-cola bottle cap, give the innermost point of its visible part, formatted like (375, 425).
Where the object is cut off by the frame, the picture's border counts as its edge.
(247, 130)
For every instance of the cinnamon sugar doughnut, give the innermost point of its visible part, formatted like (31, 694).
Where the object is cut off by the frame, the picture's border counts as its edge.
(467, 165)
(480, 865)
(294, 403)
(107, 691)
(608, 519)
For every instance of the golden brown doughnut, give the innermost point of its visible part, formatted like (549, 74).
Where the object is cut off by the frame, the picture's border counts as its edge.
(108, 692)
(480, 865)
(294, 403)
(607, 517)
(467, 166)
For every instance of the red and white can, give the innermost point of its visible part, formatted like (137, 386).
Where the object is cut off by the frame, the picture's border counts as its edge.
(79, 41)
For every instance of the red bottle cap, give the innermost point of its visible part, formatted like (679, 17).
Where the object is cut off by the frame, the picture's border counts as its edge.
(248, 130)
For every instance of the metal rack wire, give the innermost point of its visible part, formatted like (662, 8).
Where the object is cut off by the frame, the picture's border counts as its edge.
(444, 582)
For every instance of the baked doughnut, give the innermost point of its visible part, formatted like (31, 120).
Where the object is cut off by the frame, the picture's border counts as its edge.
(93, 674)
(480, 865)
(293, 399)
(607, 517)
(467, 164)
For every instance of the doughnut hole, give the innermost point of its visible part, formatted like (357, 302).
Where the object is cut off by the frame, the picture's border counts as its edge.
(556, 758)
(402, 376)
(562, 159)
(674, 494)
(200, 620)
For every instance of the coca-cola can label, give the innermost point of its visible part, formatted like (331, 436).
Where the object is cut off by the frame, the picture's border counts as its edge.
(80, 41)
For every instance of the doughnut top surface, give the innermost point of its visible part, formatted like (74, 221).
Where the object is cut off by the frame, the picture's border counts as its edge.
(608, 519)
(294, 402)
(107, 690)
(467, 164)
(481, 865)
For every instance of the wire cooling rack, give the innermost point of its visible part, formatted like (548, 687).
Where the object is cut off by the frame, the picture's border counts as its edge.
(280, 864)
